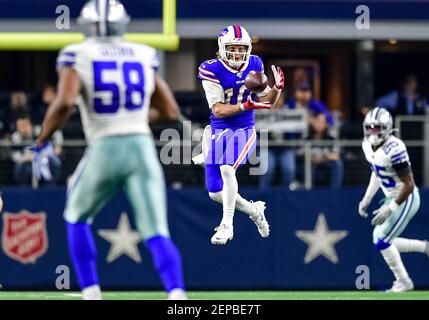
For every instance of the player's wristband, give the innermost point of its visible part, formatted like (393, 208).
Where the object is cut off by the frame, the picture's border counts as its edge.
(393, 206)
(242, 107)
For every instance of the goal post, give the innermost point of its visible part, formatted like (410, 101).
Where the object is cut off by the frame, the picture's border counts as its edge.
(31, 41)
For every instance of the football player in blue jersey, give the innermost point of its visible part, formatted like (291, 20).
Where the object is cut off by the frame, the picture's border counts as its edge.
(232, 138)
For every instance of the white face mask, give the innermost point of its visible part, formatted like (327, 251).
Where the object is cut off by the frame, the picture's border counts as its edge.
(375, 140)
(236, 58)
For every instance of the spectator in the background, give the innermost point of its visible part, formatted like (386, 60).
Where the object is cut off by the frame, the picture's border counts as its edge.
(284, 156)
(303, 98)
(4, 113)
(23, 137)
(325, 157)
(407, 101)
(47, 95)
(18, 105)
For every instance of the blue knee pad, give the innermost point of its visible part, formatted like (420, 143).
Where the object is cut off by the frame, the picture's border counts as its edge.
(381, 245)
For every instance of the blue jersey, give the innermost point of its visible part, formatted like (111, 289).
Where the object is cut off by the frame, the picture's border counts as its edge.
(235, 91)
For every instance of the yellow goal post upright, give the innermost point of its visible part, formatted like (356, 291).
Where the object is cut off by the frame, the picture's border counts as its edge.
(32, 41)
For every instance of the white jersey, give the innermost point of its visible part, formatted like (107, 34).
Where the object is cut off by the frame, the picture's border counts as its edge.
(118, 80)
(393, 151)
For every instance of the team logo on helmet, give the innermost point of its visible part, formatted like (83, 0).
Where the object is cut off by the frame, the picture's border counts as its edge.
(224, 32)
(234, 35)
(24, 236)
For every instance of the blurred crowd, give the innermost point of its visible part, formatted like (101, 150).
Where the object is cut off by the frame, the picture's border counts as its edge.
(21, 120)
(326, 159)
(20, 124)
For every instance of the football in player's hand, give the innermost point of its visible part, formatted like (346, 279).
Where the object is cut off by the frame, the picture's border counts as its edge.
(256, 81)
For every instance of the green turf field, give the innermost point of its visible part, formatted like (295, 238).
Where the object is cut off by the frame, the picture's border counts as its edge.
(227, 295)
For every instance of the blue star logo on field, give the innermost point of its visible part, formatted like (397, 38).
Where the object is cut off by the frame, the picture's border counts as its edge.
(123, 240)
(321, 241)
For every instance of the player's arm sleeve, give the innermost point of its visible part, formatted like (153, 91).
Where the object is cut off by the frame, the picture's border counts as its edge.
(400, 160)
(398, 154)
(374, 183)
(66, 58)
(373, 186)
(155, 62)
(207, 74)
(214, 92)
(402, 169)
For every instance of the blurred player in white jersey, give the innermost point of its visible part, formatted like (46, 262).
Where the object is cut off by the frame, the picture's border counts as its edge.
(391, 170)
(114, 83)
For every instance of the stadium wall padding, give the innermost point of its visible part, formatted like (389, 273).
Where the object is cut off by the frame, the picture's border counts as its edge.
(246, 262)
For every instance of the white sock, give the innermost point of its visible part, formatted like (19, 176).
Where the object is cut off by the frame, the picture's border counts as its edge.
(393, 259)
(177, 294)
(409, 245)
(240, 203)
(245, 206)
(92, 293)
(229, 193)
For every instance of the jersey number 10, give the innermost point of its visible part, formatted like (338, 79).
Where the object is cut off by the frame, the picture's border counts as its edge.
(133, 85)
(236, 95)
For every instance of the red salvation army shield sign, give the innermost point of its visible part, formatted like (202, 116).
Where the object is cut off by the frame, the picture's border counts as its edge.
(24, 236)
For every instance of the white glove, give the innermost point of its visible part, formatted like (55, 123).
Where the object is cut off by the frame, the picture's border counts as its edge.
(41, 157)
(382, 213)
(207, 140)
(363, 206)
(200, 159)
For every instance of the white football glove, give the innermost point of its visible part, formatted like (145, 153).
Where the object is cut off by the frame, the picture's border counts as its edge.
(383, 213)
(40, 163)
(200, 159)
(363, 206)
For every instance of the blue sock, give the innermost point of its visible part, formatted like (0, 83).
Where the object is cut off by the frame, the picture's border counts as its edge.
(167, 261)
(83, 253)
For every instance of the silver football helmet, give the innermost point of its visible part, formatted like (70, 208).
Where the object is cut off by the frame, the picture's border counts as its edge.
(377, 126)
(103, 18)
